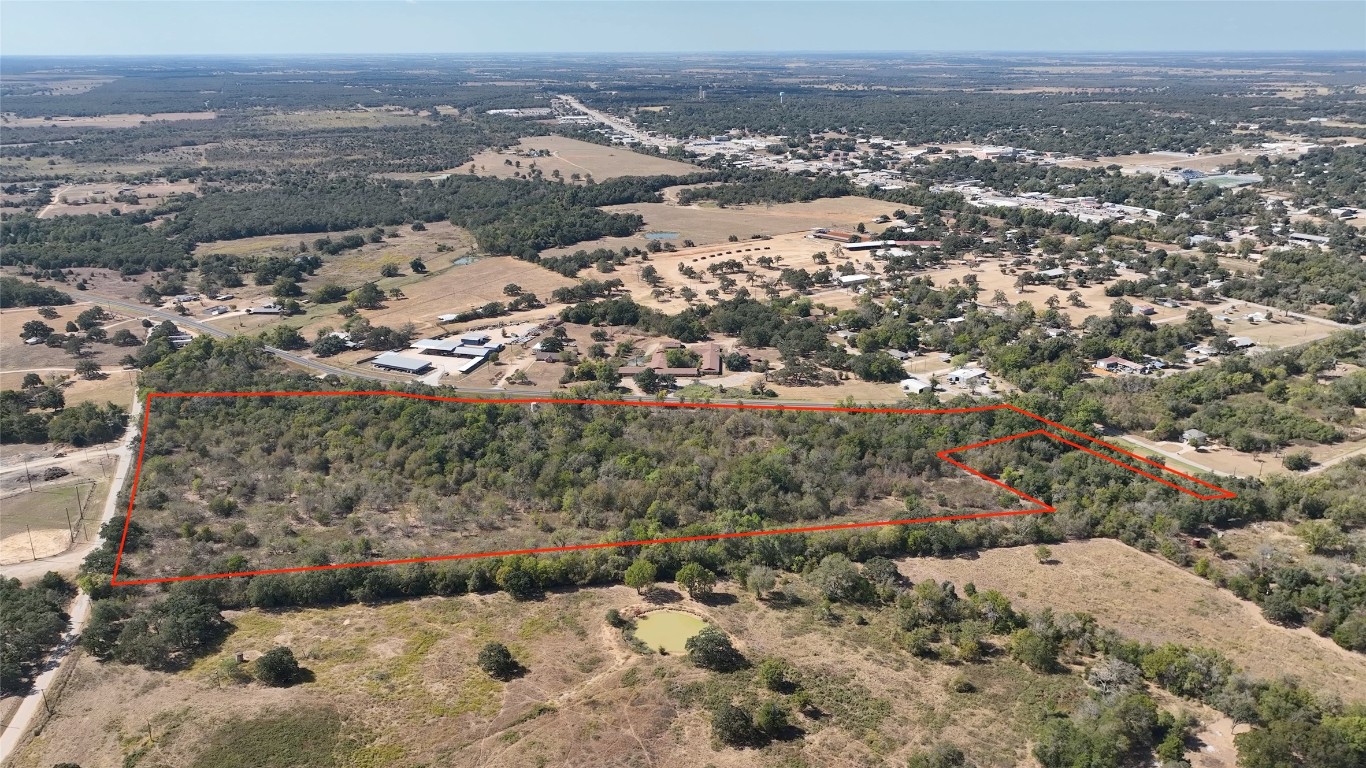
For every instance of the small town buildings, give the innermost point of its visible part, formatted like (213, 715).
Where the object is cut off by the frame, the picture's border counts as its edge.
(1241, 342)
(1120, 365)
(393, 361)
(1052, 274)
(1300, 237)
(870, 245)
(848, 281)
(266, 309)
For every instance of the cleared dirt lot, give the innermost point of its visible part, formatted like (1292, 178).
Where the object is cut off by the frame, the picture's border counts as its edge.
(1149, 599)
(571, 156)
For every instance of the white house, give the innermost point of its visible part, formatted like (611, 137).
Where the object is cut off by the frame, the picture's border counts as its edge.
(914, 386)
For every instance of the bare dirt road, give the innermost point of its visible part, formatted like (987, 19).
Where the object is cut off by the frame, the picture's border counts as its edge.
(67, 561)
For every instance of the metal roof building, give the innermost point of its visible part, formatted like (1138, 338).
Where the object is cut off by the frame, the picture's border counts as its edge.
(393, 361)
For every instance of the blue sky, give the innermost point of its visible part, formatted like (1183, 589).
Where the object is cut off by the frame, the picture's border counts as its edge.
(120, 27)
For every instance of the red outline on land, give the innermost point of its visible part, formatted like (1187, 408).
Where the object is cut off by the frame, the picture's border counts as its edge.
(946, 455)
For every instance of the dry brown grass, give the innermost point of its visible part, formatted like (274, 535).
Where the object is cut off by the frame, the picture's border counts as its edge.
(403, 678)
(1149, 599)
(571, 156)
(712, 225)
(95, 198)
(105, 121)
(18, 356)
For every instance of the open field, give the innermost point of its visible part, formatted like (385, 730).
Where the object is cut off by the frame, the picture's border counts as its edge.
(18, 356)
(377, 117)
(1201, 162)
(116, 387)
(571, 156)
(105, 121)
(401, 680)
(1150, 599)
(710, 224)
(83, 199)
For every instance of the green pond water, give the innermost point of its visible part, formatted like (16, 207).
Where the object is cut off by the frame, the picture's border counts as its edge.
(670, 629)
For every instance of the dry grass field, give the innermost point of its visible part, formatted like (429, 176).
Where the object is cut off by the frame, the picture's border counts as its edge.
(84, 199)
(105, 121)
(712, 225)
(401, 680)
(1150, 599)
(18, 356)
(571, 156)
(375, 117)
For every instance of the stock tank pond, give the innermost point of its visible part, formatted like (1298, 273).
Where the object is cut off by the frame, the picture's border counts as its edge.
(667, 629)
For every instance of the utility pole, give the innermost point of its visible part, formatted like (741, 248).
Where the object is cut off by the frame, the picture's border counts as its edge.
(28, 476)
(69, 529)
(32, 549)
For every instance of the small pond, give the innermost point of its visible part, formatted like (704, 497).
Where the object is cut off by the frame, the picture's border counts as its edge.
(463, 260)
(661, 235)
(669, 629)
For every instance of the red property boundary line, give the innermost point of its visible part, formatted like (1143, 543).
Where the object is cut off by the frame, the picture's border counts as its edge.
(1040, 507)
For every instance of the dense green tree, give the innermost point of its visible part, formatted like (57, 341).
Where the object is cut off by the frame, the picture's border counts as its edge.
(641, 575)
(711, 649)
(696, 579)
(497, 661)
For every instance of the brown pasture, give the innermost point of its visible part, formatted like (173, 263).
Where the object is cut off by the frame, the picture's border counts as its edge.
(1149, 599)
(571, 156)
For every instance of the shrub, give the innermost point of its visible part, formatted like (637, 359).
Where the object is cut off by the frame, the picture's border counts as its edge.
(497, 661)
(711, 649)
(1034, 650)
(277, 668)
(776, 675)
(732, 726)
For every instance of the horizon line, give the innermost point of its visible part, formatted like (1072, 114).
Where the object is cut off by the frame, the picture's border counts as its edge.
(660, 53)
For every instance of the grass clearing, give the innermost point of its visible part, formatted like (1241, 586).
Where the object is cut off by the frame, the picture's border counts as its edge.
(570, 156)
(1149, 599)
(302, 738)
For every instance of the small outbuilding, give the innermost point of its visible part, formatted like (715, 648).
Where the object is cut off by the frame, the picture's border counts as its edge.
(914, 386)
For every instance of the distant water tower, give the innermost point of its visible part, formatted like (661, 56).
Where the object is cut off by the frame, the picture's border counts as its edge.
(780, 98)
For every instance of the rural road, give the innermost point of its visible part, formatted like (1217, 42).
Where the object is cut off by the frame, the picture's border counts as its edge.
(80, 608)
(618, 124)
